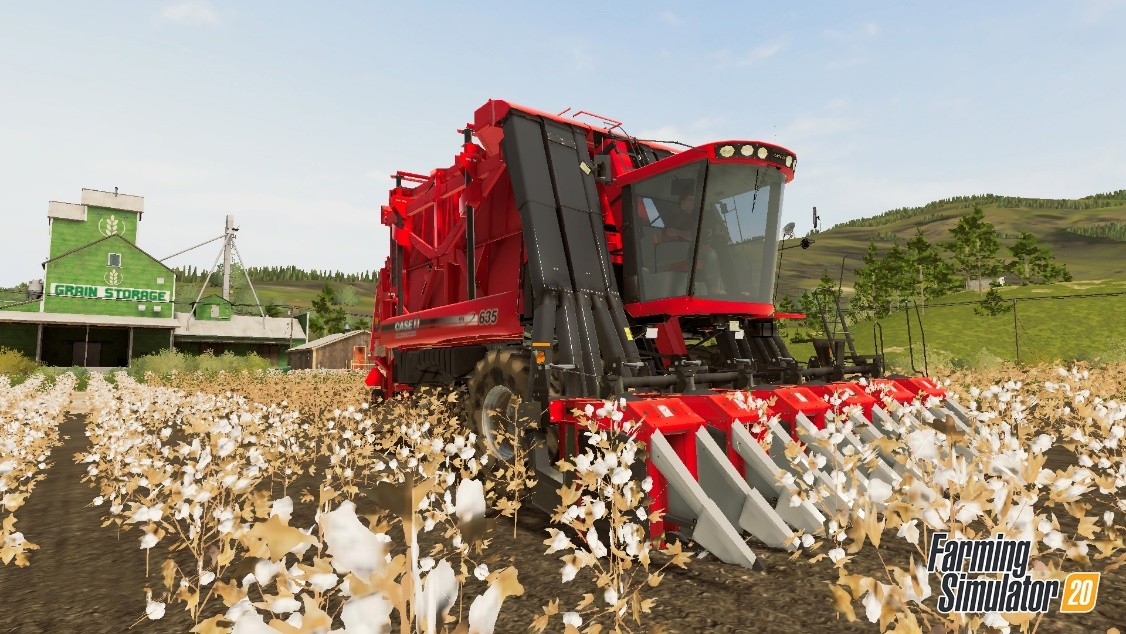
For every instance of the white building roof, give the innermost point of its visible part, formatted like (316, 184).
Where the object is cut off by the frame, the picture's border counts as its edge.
(95, 198)
(327, 339)
(238, 327)
(71, 319)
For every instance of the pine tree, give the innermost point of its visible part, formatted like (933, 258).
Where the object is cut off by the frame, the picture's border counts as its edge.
(1033, 261)
(926, 273)
(974, 246)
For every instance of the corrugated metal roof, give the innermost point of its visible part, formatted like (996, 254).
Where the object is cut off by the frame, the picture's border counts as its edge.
(327, 339)
(71, 319)
(241, 327)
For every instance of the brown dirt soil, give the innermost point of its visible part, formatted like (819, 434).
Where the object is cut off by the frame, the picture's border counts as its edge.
(86, 578)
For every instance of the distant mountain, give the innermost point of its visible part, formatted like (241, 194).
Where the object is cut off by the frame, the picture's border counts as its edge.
(1087, 234)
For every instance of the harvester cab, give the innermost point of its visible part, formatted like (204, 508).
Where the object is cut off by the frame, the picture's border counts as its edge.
(557, 265)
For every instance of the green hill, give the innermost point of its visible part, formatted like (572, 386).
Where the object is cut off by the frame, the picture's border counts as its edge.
(1086, 234)
(299, 294)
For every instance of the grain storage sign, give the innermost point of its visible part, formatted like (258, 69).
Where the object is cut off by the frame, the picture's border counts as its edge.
(109, 292)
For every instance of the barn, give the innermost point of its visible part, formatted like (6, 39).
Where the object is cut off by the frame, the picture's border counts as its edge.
(341, 351)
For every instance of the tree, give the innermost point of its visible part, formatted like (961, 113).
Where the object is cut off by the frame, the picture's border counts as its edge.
(924, 271)
(328, 316)
(871, 292)
(992, 304)
(1033, 261)
(974, 246)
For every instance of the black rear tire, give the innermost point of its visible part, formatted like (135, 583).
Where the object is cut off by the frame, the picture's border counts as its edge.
(497, 384)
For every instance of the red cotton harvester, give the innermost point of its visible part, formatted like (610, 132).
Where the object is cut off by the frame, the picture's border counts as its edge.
(558, 264)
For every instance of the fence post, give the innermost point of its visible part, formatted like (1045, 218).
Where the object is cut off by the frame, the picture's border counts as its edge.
(1016, 330)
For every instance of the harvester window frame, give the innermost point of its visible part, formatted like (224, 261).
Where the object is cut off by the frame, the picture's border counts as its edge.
(644, 234)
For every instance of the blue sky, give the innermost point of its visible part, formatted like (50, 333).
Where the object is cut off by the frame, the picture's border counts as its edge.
(292, 115)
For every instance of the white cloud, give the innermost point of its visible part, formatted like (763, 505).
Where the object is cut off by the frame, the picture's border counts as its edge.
(1094, 11)
(190, 13)
(725, 59)
(865, 31)
(669, 18)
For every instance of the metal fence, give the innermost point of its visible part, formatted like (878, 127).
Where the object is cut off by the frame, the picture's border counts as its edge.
(1085, 326)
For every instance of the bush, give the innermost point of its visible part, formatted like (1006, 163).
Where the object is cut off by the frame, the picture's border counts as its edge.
(168, 362)
(163, 363)
(14, 364)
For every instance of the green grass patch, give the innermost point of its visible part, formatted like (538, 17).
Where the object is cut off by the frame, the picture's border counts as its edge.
(1084, 328)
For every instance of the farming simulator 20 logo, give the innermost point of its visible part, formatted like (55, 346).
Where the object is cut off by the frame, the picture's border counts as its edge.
(991, 575)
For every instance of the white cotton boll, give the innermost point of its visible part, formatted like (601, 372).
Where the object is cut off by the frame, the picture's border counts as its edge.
(426, 564)
(807, 540)
(1108, 518)
(148, 540)
(574, 619)
(206, 577)
(647, 484)
(589, 410)
(481, 572)
(285, 605)
(610, 596)
(265, 571)
(923, 444)
(323, 581)
(872, 607)
(968, 512)
(620, 476)
(597, 548)
(878, 490)
(836, 554)
(369, 615)
(470, 500)
(808, 477)
(559, 541)
(154, 610)
(352, 546)
(282, 507)
(1042, 443)
(909, 531)
(1054, 539)
(996, 621)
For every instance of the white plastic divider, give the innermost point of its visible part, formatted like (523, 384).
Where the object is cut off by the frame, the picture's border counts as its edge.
(687, 499)
(766, 477)
(743, 506)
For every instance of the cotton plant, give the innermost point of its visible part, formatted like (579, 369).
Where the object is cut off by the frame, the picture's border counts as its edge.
(604, 514)
(30, 414)
(183, 469)
(1016, 418)
(343, 568)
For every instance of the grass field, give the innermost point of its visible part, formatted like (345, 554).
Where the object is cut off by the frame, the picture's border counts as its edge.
(1087, 258)
(1091, 328)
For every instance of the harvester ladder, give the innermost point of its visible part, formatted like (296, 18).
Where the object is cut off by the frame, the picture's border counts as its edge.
(836, 324)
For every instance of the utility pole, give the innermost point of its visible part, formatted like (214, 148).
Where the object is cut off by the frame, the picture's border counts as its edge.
(228, 242)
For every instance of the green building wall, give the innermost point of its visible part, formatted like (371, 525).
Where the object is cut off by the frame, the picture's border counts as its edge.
(80, 263)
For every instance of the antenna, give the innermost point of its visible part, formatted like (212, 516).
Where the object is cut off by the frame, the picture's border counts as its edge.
(816, 219)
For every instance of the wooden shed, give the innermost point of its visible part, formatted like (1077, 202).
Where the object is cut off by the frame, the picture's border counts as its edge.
(341, 351)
